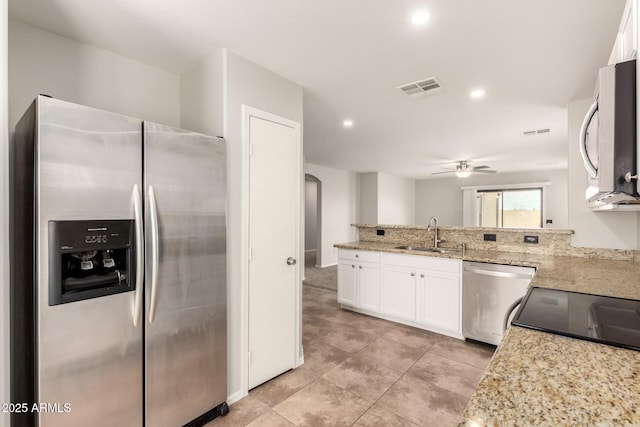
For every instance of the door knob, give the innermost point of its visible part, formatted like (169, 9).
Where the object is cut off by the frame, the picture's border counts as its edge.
(291, 261)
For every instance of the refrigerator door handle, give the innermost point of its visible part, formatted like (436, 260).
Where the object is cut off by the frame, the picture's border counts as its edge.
(153, 216)
(139, 236)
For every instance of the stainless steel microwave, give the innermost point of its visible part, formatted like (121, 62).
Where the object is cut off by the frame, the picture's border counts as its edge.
(608, 142)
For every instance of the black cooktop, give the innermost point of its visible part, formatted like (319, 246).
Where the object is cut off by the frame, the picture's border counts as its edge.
(607, 320)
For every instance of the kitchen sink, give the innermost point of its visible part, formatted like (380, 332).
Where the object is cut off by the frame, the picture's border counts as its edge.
(428, 249)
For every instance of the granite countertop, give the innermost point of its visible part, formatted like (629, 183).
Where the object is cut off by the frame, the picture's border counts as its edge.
(537, 378)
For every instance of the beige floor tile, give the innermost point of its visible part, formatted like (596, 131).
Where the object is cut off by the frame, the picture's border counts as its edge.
(371, 325)
(320, 357)
(363, 377)
(473, 354)
(449, 374)
(335, 314)
(352, 319)
(270, 419)
(413, 337)
(379, 417)
(347, 338)
(423, 403)
(314, 328)
(320, 295)
(322, 403)
(392, 354)
(278, 389)
(241, 413)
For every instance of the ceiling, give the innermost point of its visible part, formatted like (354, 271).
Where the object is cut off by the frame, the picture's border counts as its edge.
(531, 57)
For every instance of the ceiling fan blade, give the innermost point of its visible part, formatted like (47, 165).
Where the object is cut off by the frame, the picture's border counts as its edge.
(480, 167)
(439, 173)
(484, 171)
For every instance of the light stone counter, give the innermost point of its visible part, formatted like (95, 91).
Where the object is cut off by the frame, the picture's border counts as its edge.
(537, 378)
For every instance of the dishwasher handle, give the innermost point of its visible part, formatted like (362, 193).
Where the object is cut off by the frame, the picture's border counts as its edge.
(493, 273)
(512, 307)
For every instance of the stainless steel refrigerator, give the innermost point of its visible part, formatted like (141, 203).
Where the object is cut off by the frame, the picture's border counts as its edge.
(118, 271)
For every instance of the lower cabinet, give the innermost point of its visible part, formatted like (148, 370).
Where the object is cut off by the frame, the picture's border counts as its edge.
(347, 282)
(369, 286)
(398, 292)
(359, 279)
(438, 300)
(421, 291)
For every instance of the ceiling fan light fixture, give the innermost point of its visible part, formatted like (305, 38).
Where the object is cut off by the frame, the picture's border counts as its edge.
(463, 174)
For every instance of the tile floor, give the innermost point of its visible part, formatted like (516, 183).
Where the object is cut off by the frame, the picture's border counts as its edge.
(363, 371)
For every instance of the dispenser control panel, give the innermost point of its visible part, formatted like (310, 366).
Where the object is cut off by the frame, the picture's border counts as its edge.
(90, 259)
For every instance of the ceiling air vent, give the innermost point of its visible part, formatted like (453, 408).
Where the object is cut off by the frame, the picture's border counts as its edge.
(535, 132)
(430, 85)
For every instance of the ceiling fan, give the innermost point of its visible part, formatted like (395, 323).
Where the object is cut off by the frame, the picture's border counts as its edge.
(463, 170)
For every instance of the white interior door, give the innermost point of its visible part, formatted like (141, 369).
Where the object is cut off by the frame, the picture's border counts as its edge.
(274, 224)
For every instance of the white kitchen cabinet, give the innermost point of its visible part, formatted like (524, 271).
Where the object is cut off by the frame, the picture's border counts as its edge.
(347, 282)
(625, 47)
(423, 290)
(628, 32)
(398, 292)
(359, 279)
(438, 300)
(369, 286)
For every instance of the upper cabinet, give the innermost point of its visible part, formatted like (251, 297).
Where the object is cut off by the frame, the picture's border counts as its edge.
(626, 44)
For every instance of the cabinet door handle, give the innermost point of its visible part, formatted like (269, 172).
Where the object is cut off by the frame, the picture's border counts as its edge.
(413, 274)
(353, 266)
(422, 276)
(360, 267)
(357, 256)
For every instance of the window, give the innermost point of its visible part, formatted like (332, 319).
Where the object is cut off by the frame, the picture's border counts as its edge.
(509, 208)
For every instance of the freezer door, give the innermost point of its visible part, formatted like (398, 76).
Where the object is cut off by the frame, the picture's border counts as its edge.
(186, 333)
(89, 352)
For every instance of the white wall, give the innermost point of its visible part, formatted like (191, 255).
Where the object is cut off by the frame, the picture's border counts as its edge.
(339, 201)
(246, 83)
(43, 62)
(617, 230)
(396, 200)
(310, 215)
(442, 197)
(202, 95)
(368, 198)
(4, 215)
(385, 199)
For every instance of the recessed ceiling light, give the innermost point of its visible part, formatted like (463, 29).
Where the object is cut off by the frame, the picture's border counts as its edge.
(420, 17)
(348, 123)
(477, 93)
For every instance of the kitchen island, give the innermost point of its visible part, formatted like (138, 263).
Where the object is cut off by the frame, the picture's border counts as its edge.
(538, 378)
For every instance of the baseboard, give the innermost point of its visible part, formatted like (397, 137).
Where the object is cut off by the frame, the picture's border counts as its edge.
(238, 395)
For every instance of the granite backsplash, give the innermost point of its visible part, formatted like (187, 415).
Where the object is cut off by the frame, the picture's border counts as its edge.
(550, 241)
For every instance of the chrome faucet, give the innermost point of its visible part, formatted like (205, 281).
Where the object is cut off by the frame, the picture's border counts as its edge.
(434, 220)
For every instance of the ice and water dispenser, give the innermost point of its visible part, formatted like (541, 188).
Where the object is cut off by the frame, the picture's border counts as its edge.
(89, 259)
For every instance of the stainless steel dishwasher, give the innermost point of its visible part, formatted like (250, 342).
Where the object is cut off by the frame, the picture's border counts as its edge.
(488, 292)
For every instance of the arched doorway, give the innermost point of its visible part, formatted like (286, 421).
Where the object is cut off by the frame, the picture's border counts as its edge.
(312, 221)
